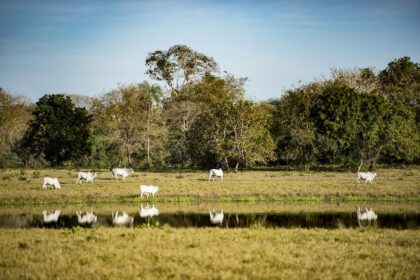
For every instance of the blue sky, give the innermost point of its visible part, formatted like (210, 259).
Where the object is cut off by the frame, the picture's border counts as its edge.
(89, 47)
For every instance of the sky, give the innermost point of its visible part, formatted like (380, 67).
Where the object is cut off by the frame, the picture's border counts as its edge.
(90, 47)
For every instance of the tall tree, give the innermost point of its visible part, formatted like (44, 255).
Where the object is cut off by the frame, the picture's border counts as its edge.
(178, 66)
(59, 130)
(152, 97)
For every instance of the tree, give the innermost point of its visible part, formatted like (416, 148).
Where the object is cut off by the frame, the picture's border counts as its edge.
(401, 81)
(181, 68)
(292, 128)
(129, 121)
(362, 80)
(178, 67)
(59, 130)
(15, 114)
(152, 97)
(251, 141)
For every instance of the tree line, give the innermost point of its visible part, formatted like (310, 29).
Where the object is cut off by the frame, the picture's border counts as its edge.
(202, 119)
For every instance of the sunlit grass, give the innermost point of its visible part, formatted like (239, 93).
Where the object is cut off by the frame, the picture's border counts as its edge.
(209, 253)
(24, 186)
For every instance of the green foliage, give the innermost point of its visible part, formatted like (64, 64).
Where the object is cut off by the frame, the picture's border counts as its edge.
(401, 81)
(292, 128)
(59, 131)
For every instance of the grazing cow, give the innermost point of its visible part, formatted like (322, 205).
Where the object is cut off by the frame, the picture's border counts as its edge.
(367, 176)
(51, 181)
(216, 173)
(216, 218)
(88, 218)
(148, 212)
(124, 172)
(148, 190)
(51, 217)
(88, 176)
(122, 220)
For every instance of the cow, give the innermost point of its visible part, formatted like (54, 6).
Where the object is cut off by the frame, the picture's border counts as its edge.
(148, 190)
(148, 212)
(367, 176)
(124, 172)
(51, 181)
(88, 218)
(216, 173)
(51, 217)
(122, 220)
(216, 218)
(88, 176)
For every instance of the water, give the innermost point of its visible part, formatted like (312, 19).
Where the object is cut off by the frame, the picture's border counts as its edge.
(152, 216)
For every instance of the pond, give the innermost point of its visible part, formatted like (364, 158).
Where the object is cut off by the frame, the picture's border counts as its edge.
(228, 215)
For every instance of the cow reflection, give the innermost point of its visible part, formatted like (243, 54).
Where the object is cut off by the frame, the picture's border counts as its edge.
(366, 217)
(122, 220)
(87, 219)
(147, 212)
(51, 217)
(216, 218)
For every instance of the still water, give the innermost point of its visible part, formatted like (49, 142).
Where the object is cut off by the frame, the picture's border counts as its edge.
(153, 215)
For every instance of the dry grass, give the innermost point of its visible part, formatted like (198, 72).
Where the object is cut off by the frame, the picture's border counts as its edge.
(391, 184)
(211, 253)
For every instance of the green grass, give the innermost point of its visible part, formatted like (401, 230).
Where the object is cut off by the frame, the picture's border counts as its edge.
(24, 187)
(209, 253)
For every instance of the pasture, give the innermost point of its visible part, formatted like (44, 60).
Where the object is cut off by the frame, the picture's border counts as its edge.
(212, 253)
(25, 186)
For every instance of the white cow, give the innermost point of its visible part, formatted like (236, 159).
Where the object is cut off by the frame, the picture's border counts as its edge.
(51, 181)
(88, 176)
(216, 173)
(88, 218)
(148, 190)
(122, 220)
(148, 212)
(124, 172)
(216, 218)
(51, 217)
(367, 176)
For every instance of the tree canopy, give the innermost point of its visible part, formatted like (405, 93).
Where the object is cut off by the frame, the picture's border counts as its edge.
(59, 131)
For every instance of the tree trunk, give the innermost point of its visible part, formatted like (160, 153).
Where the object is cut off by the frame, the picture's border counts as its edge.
(236, 167)
(148, 137)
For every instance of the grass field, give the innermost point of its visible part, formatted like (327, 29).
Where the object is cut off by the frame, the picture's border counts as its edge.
(24, 186)
(211, 253)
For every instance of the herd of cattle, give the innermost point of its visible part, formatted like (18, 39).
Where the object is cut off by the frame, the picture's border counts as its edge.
(125, 219)
(116, 173)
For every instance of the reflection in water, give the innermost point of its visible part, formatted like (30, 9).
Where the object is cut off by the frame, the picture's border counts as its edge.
(147, 211)
(216, 218)
(180, 219)
(87, 219)
(51, 217)
(122, 220)
(365, 218)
